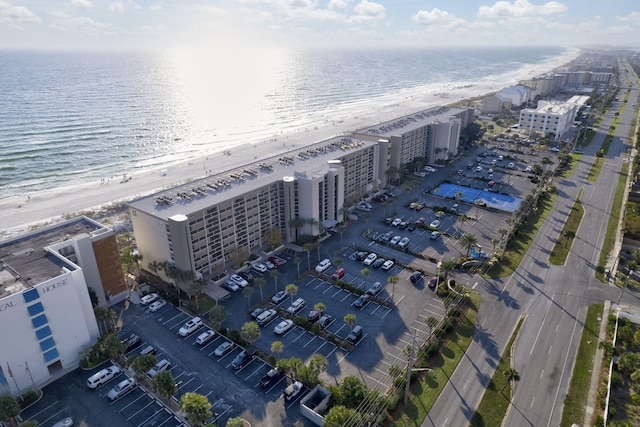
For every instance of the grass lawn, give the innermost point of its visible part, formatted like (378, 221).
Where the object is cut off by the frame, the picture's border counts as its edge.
(576, 400)
(563, 244)
(495, 402)
(426, 387)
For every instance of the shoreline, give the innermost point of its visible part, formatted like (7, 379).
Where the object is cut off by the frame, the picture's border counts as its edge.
(19, 214)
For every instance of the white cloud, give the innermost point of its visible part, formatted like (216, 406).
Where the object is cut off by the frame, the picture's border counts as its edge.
(437, 17)
(520, 8)
(82, 3)
(117, 7)
(151, 31)
(64, 22)
(368, 11)
(17, 15)
(155, 7)
(632, 17)
(338, 4)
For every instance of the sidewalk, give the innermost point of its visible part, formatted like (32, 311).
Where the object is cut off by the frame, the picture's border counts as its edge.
(597, 363)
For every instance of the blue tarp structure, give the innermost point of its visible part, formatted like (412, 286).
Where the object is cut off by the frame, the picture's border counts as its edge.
(502, 202)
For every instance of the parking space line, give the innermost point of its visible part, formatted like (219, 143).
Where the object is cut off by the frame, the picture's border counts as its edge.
(321, 345)
(339, 290)
(301, 335)
(310, 341)
(347, 296)
(342, 359)
(255, 372)
(44, 409)
(335, 348)
(157, 412)
(177, 315)
(132, 402)
(378, 381)
(151, 402)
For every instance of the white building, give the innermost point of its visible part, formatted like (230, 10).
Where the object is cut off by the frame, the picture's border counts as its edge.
(46, 315)
(550, 117)
(506, 98)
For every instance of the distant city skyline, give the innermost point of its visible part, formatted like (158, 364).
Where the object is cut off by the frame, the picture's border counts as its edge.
(97, 24)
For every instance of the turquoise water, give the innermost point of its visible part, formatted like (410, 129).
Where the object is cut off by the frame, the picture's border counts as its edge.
(501, 202)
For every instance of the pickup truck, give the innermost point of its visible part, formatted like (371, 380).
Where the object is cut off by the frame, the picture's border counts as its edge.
(271, 377)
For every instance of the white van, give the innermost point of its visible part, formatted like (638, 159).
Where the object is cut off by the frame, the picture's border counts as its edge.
(266, 316)
(102, 377)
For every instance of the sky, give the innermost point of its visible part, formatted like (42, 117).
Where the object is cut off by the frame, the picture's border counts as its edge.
(107, 24)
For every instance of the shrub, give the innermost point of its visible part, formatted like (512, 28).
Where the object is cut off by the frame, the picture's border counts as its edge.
(453, 312)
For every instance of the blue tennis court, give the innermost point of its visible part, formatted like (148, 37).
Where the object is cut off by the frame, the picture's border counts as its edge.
(502, 202)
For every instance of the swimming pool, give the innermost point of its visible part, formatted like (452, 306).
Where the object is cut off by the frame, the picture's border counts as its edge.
(502, 202)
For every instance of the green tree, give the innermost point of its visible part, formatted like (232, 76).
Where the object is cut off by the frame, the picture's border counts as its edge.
(447, 267)
(308, 247)
(195, 290)
(468, 241)
(197, 408)
(250, 332)
(350, 320)
(141, 364)
(569, 235)
(297, 260)
(274, 275)
(112, 347)
(260, 282)
(277, 347)
(296, 224)
(164, 383)
(629, 362)
(365, 272)
(217, 315)
(338, 416)
(511, 375)
(338, 262)
(341, 229)
(351, 392)
(462, 218)
(247, 292)
(235, 422)
(93, 296)
(320, 307)
(318, 364)
(9, 409)
(291, 290)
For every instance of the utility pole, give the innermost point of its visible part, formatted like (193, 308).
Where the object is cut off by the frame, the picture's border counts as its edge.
(412, 353)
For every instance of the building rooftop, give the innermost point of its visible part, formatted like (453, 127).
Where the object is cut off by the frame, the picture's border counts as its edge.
(228, 184)
(412, 121)
(27, 260)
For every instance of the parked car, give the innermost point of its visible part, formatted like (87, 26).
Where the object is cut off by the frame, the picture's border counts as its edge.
(429, 169)
(266, 317)
(435, 224)
(155, 306)
(239, 281)
(190, 327)
(434, 235)
(205, 337)
(131, 342)
(293, 390)
(123, 387)
(433, 282)
(374, 289)
(325, 320)
(162, 365)
(395, 240)
(241, 360)
(355, 334)
(378, 263)
(260, 267)
(148, 350)
(271, 377)
(415, 277)
(478, 168)
(230, 286)
(370, 259)
(223, 349)
(65, 422)
(257, 312)
(323, 265)
(276, 261)
(361, 255)
(396, 222)
(313, 316)
(403, 243)
(283, 326)
(246, 275)
(148, 299)
(103, 376)
(279, 297)
(361, 301)
(339, 274)
(296, 306)
(269, 265)
(388, 265)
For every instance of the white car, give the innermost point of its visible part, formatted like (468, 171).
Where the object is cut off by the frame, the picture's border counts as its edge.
(435, 224)
(162, 365)
(65, 422)
(283, 327)
(396, 222)
(157, 305)
(103, 376)
(429, 169)
(395, 240)
(260, 268)
(190, 327)
(293, 390)
(205, 337)
(223, 349)
(370, 258)
(323, 265)
(122, 388)
(296, 306)
(148, 299)
(388, 265)
(478, 168)
(511, 165)
(239, 281)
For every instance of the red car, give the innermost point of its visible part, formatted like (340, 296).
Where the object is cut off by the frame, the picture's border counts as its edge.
(338, 274)
(276, 261)
(433, 282)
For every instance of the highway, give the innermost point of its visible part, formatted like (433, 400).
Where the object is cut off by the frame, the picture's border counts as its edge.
(553, 298)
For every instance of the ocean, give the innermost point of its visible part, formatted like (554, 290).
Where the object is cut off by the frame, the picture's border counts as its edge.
(76, 117)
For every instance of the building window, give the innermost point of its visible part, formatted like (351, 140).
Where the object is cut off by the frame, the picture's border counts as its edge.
(43, 333)
(30, 295)
(47, 344)
(35, 309)
(39, 321)
(50, 355)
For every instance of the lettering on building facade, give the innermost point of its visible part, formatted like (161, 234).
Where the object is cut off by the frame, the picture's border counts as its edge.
(53, 286)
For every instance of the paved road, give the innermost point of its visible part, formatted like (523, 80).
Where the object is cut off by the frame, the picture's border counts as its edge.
(555, 300)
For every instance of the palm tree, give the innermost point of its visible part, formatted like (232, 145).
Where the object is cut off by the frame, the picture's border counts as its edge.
(296, 224)
(277, 347)
(350, 320)
(320, 307)
(365, 272)
(431, 323)
(468, 241)
(291, 289)
(308, 247)
(459, 195)
(297, 260)
(247, 292)
(447, 267)
(154, 266)
(393, 280)
(512, 375)
(275, 274)
(341, 229)
(462, 218)
(338, 262)
(260, 282)
(195, 290)
(318, 363)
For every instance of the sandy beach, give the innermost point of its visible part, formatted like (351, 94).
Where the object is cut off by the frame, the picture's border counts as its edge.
(19, 214)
